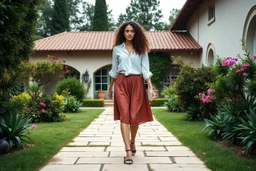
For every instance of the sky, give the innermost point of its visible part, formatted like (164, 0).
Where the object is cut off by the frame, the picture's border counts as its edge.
(119, 6)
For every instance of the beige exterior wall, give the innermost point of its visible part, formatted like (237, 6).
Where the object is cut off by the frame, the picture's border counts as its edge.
(192, 58)
(92, 61)
(225, 33)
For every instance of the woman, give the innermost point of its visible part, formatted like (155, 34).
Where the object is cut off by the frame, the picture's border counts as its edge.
(130, 65)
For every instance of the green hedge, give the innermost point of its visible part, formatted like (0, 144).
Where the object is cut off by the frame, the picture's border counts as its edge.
(158, 102)
(93, 103)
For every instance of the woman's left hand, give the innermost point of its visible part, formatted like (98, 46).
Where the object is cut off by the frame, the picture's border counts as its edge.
(152, 94)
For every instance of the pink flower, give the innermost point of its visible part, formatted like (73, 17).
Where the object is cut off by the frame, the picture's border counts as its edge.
(33, 126)
(42, 104)
(254, 57)
(43, 111)
(245, 65)
(225, 63)
(244, 74)
(238, 70)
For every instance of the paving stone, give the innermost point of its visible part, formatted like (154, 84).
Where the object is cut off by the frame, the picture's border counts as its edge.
(172, 153)
(123, 154)
(187, 160)
(78, 143)
(179, 148)
(71, 167)
(99, 143)
(178, 167)
(58, 160)
(81, 139)
(81, 154)
(161, 143)
(123, 167)
(168, 139)
(82, 149)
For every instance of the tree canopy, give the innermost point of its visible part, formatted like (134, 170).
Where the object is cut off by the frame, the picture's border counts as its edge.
(100, 20)
(145, 12)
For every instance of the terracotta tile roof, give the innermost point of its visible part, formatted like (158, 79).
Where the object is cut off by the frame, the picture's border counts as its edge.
(103, 41)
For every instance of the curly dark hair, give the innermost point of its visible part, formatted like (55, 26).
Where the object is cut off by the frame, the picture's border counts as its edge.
(140, 42)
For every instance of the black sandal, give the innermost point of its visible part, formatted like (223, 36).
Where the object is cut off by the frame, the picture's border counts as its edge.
(133, 151)
(128, 161)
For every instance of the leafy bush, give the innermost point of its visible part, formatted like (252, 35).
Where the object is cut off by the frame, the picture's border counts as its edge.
(172, 104)
(190, 82)
(158, 102)
(236, 100)
(168, 91)
(193, 113)
(71, 105)
(73, 86)
(15, 130)
(93, 103)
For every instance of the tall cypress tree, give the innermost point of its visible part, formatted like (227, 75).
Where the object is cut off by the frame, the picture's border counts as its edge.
(100, 20)
(60, 18)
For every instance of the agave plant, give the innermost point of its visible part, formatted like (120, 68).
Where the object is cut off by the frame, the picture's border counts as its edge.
(247, 130)
(217, 124)
(15, 130)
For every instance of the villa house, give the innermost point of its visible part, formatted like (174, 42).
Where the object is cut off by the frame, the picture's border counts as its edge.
(202, 30)
(219, 26)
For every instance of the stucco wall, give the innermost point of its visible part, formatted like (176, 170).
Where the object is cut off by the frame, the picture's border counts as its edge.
(227, 30)
(92, 61)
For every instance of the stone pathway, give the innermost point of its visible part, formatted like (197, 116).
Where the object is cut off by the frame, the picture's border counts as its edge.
(100, 148)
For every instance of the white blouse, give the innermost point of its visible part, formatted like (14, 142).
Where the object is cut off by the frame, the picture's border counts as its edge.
(123, 62)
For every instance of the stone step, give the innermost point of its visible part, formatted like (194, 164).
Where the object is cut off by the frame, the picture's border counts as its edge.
(108, 103)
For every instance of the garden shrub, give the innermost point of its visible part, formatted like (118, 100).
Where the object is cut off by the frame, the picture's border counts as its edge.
(93, 103)
(72, 85)
(190, 82)
(71, 104)
(172, 104)
(236, 100)
(158, 102)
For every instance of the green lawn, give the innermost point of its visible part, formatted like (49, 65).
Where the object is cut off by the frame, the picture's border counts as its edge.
(48, 139)
(189, 133)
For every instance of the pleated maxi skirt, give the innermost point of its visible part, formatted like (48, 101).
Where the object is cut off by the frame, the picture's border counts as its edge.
(131, 104)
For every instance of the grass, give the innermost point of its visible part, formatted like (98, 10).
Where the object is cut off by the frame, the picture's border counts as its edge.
(189, 133)
(48, 139)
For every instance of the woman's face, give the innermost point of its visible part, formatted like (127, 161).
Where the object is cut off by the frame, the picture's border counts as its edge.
(129, 32)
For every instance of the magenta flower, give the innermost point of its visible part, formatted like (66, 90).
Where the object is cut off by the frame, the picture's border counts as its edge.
(33, 126)
(43, 111)
(229, 61)
(254, 57)
(238, 70)
(245, 65)
(42, 104)
(244, 74)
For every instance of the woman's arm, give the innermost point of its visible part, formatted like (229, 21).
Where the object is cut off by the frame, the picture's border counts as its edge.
(110, 93)
(150, 87)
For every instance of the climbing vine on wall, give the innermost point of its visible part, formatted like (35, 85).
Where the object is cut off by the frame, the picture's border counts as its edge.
(159, 63)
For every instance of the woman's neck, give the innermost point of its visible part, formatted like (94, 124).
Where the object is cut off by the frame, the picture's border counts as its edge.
(128, 43)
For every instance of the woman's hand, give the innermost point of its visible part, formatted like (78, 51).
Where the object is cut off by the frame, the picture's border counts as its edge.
(110, 93)
(152, 93)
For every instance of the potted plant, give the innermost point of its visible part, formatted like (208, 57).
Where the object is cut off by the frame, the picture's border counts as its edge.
(101, 94)
(4, 146)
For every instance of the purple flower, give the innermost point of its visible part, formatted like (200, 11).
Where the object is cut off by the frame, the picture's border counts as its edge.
(33, 126)
(244, 74)
(42, 104)
(43, 111)
(254, 57)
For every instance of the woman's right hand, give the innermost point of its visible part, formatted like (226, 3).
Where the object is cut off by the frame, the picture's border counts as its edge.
(110, 93)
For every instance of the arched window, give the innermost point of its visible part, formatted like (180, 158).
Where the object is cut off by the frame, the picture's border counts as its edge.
(254, 44)
(210, 54)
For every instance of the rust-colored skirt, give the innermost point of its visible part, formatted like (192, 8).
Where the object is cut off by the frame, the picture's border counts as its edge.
(131, 103)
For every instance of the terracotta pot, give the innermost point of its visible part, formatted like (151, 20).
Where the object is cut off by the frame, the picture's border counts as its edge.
(101, 94)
